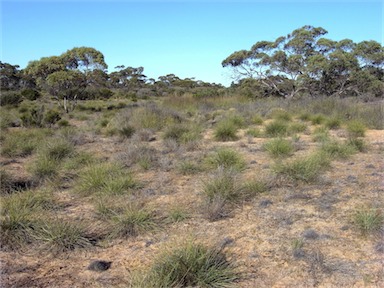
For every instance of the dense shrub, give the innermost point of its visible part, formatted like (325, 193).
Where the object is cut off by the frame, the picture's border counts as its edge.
(10, 98)
(30, 94)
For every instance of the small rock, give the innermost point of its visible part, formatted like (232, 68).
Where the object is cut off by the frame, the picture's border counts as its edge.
(344, 228)
(265, 203)
(99, 265)
(352, 179)
(370, 166)
(310, 234)
(226, 241)
(253, 162)
(152, 138)
(379, 247)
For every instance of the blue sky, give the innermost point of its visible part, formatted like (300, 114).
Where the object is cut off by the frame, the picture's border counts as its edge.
(186, 38)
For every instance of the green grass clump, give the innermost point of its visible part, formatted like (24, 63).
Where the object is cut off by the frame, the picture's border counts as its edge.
(226, 158)
(225, 131)
(132, 221)
(279, 147)
(257, 120)
(189, 168)
(16, 225)
(306, 169)
(177, 214)
(333, 123)
(321, 134)
(22, 143)
(357, 144)
(254, 132)
(105, 179)
(44, 168)
(191, 265)
(369, 221)
(223, 185)
(336, 149)
(356, 129)
(58, 149)
(318, 119)
(297, 127)
(276, 128)
(280, 114)
(253, 188)
(182, 133)
(61, 236)
(305, 116)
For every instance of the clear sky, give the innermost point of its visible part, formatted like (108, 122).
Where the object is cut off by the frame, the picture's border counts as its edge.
(186, 38)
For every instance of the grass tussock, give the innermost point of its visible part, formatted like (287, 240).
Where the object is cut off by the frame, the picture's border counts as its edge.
(356, 129)
(368, 220)
(131, 221)
(225, 131)
(337, 150)
(190, 265)
(105, 179)
(279, 148)
(225, 158)
(305, 169)
(276, 128)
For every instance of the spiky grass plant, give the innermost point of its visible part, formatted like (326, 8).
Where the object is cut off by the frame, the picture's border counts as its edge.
(190, 265)
(132, 221)
(105, 179)
(305, 169)
(17, 225)
(335, 149)
(225, 158)
(356, 129)
(225, 131)
(276, 128)
(279, 148)
(61, 236)
(369, 220)
(321, 134)
(222, 183)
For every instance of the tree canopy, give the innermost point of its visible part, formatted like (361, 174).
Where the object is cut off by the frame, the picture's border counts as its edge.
(304, 61)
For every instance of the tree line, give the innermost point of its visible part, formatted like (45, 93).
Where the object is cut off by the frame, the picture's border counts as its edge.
(301, 63)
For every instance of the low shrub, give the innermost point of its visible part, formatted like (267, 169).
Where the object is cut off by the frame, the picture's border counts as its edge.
(337, 150)
(10, 98)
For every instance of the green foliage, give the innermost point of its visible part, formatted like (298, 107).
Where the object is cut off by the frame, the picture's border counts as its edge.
(306, 169)
(44, 167)
(253, 188)
(356, 129)
(131, 222)
(321, 134)
(191, 265)
(225, 131)
(282, 115)
(276, 128)
(337, 150)
(368, 221)
(297, 127)
(182, 133)
(61, 236)
(358, 144)
(227, 159)
(52, 117)
(222, 184)
(105, 178)
(22, 143)
(30, 94)
(10, 98)
(333, 123)
(257, 120)
(318, 119)
(189, 168)
(16, 226)
(279, 147)
(254, 132)
(177, 214)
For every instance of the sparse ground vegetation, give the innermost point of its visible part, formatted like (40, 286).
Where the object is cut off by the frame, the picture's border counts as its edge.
(127, 180)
